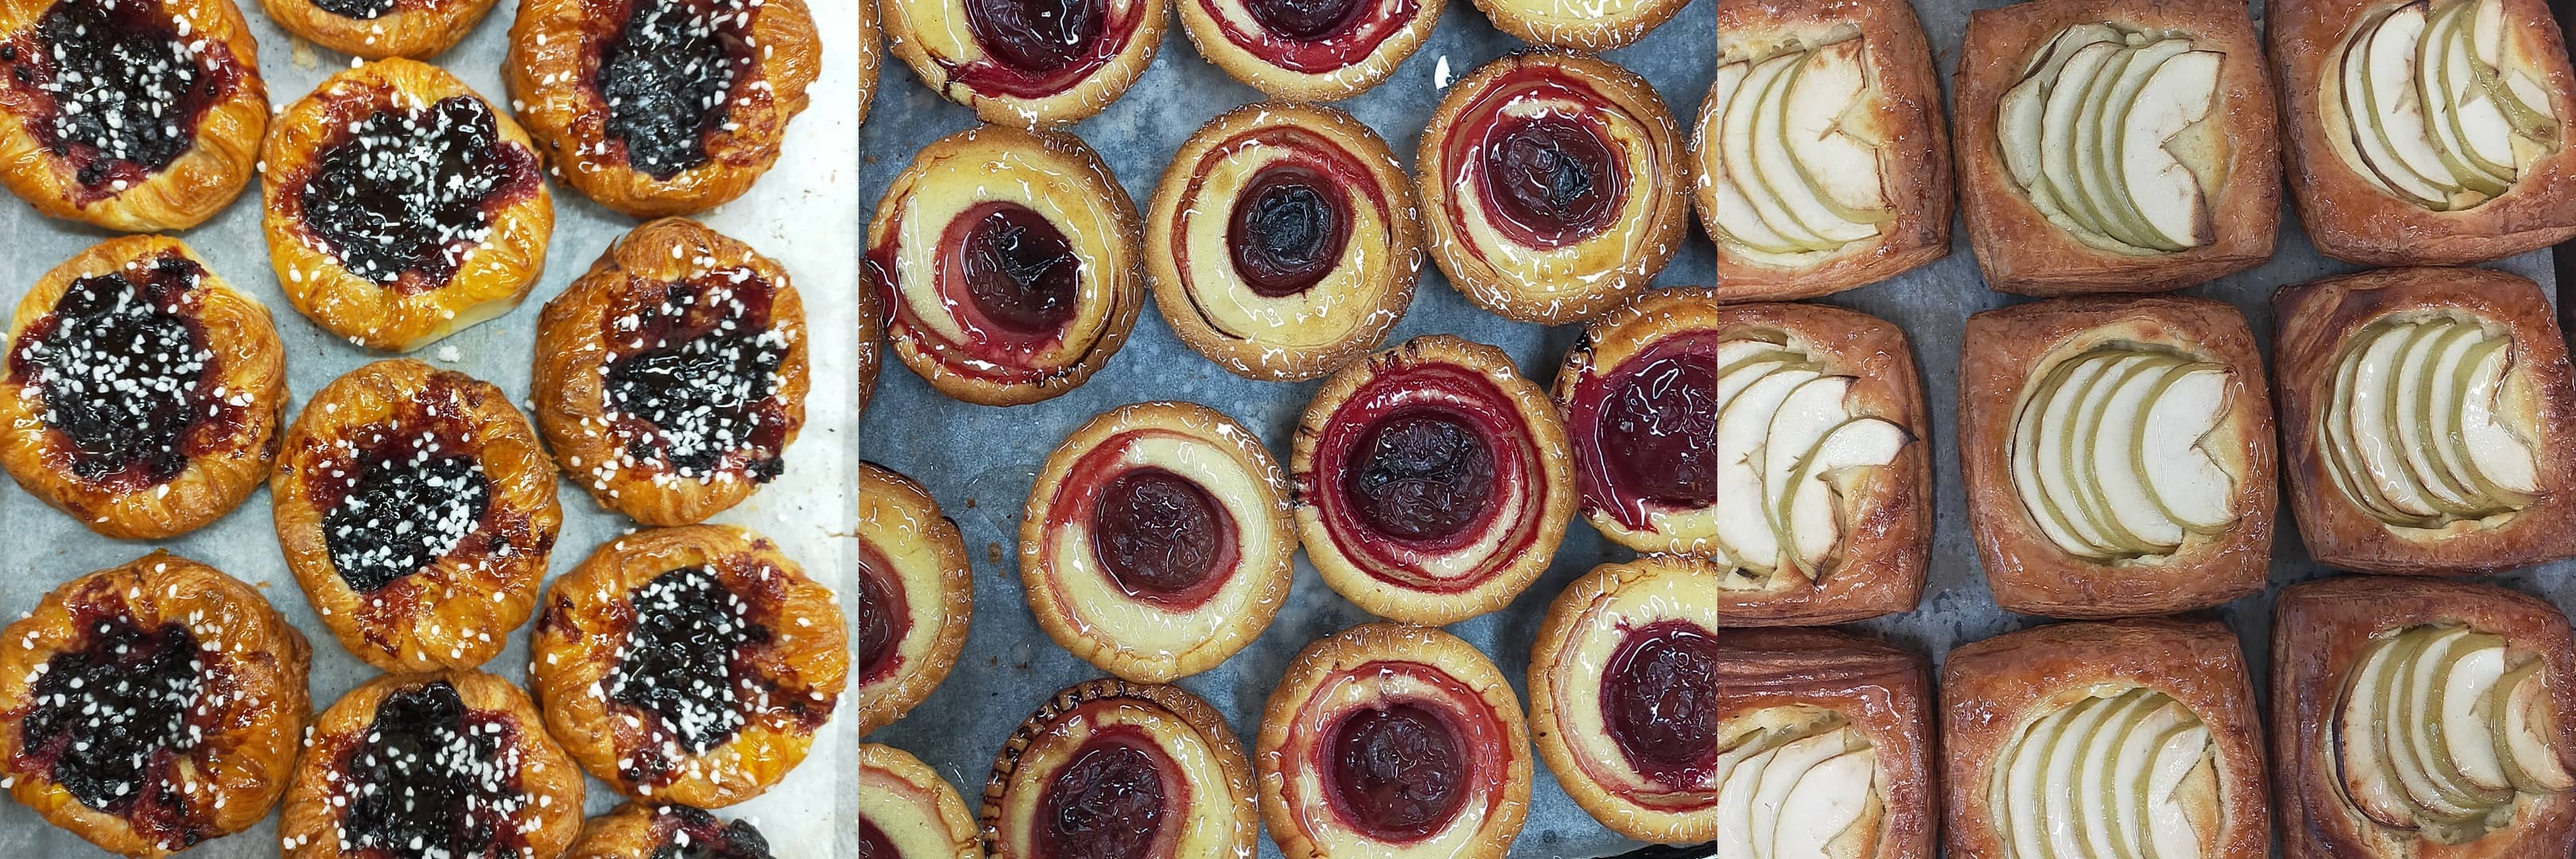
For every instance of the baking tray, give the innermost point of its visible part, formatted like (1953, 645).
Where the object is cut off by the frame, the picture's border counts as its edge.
(801, 214)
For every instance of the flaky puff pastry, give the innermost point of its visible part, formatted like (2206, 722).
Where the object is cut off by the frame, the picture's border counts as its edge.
(223, 136)
(471, 277)
(1050, 74)
(451, 729)
(369, 434)
(1068, 755)
(673, 304)
(418, 29)
(2008, 354)
(554, 69)
(2023, 252)
(1882, 691)
(907, 810)
(2317, 322)
(633, 831)
(1993, 690)
(241, 725)
(916, 596)
(219, 422)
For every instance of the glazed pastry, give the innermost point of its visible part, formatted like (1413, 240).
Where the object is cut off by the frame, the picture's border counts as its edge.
(1284, 241)
(1157, 541)
(669, 832)
(1777, 442)
(401, 207)
(1849, 183)
(2085, 739)
(1432, 481)
(416, 510)
(141, 394)
(2424, 421)
(1308, 51)
(2422, 718)
(380, 29)
(1394, 741)
(916, 596)
(864, 50)
(1007, 263)
(2426, 133)
(671, 378)
(2115, 145)
(1160, 764)
(139, 117)
(871, 329)
(1027, 63)
(1554, 186)
(2118, 455)
(666, 107)
(906, 811)
(151, 707)
(1825, 741)
(689, 665)
(1580, 24)
(455, 762)
(1624, 704)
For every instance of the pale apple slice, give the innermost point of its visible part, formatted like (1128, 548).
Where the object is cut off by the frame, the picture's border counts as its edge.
(2361, 738)
(2444, 34)
(1777, 170)
(1792, 765)
(1741, 526)
(1828, 801)
(2064, 110)
(1732, 216)
(2529, 733)
(2184, 481)
(2092, 498)
(1814, 525)
(2343, 446)
(1735, 810)
(2477, 120)
(2132, 774)
(2439, 751)
(2523, 101)
(1840, 169)
(2410, 415)
(2018, 118)
(2464, 733)
(2092, 202)
(2408, 709)
(2373, 435)
(2058, 784)
(2056, 455)
(2166, 194)
(2032, 427)
(2169, 829)
(2115, 465)
(2363, 69)
(2096, 767)
(2389, 80)
(2104, 173)
(1736, 137)
(2020, 778)
(2495, 452)
(1803, 418)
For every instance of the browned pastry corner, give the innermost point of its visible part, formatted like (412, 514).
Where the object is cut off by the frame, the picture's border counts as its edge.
(1310, 52)
(2075, 555)
(2322, 328)
(916, 596)
(907, 810)
(1782, 687)
(414, 759)
(633, 831)
(1026, 66)
(380, 29)
(1090, 746)
(1582, 26)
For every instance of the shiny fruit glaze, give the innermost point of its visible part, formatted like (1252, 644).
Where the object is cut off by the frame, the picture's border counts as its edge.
(884, 619)
(1425, 457)
(1645, 432)
(1039, 48)
(1313, 37)
(1018, 271)
(114, 89)
(1160, 535)
(1108, 802)
(1546, 169)
(1290, 225)
(1421, 474)
(1659, 701)
(1399, 773)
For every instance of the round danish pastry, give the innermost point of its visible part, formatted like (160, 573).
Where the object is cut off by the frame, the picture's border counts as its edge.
(1395, 741)
(1553, 182)
(1432, 481)
(401, 207)
(1583, 25)
(1305, 50)
(1283, 242)
(1007, 263)
(1111, 768)
(134, 115)
(634, 831)
(671, 378)
(141, 395)
(665, 107)
(380, 29)
(455, 763)
(1623, 698)
(916, 596)
(906, 811)
(416, 511)
(689, 665)
(151, 707)
(1157, 541)
(1027, 63)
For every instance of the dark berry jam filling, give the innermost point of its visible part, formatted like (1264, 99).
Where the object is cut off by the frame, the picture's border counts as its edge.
(669, 76)
(1645, 432)
(1018, 270)
(431, 777)
(883, 617)
(1397, 773)
(412, 191)
(1160, 535)
(122, 365)
(1107, 803)
(695, 834)
(364, 10)
(1421, 474)
(1040, 36)
(1553, 178)
(701, 393)
(1290, 225)
(873, 843)
(112, 717)
(115, 89)
(1304, 20)
(1659, 701)
(409, 501)
(684, 660)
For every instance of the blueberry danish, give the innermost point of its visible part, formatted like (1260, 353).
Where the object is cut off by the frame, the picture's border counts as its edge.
(450, 764)
(669, 832)
(380, 29)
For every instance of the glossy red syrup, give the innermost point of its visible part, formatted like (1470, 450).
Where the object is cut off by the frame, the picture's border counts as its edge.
(1645, 432)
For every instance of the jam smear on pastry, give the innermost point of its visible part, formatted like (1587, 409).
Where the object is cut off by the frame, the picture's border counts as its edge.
(450, 764)
(116, 89)
(123, 367)
(707, 388)
(410, 191)
(666, 77)
(407, 506)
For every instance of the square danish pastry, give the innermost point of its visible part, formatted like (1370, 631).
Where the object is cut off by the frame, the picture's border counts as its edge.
(1834, 732)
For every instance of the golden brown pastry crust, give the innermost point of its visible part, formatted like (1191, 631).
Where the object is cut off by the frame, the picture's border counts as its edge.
(1582, 26)
(2007, 351)
(317, 803)
(1882, 690)
(916, 554)
(1990, 688)
(490, 278)
(871, 330)
(1216, 790)
(455, 612)
(934, 38)
(226, 459)
(251, 707)
(1221, 28)
(584, 331)
(200, 182)
(632, 831)
(553, 71)
(2019, 249)
(867, 53)
(1914, 163)
(418, 29)
(2314, 320)
(2320, 632)
(1609, 601)
(911, 804)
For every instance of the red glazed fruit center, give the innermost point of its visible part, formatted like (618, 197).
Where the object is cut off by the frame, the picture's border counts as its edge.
(1660, 700)
(1398, 773)
(1659, 430)
(1304, 20)
(1159, 534)
(882, 616)
(1036, 35)
(1421, 475)
(1107, 804)
(1019, 269)
(1554, 178)
(1288, 231)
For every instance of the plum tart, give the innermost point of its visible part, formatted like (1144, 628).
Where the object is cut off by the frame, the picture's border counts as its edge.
(133, 115)
(916, 596)
(2425, 133)
(1859, 190)
(665, 107)
(455, 762)
(1157, 541)
(2133, 737)
(401, 207)
(2418, 717)
(417, 511)
(1624, 704)
(689, 665)
(633, 831)
(2115, 146)
(1283, 242)
(2118, 455)
(671, 378)
(1006, 260)
(1553, 182)
(906, 811)
(2425, 421)
(1111, 768)
(141, 395)
(1308, 50)
(1027, 63)
(1583, 25)
(151, 707)
(380, 29)
(1432, 481)
(1395, 741)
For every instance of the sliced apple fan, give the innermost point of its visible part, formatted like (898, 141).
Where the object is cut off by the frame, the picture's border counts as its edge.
(2411, 430)
(1784, 437)
(2442, 729)
(2086, 132)
(2106, 776)
(1791, 791)
(2435, 112)
(2106, 453)
(1791, 180)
